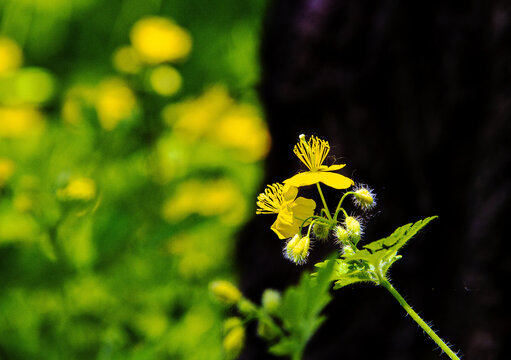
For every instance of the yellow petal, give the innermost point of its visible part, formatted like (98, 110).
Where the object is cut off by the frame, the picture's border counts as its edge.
(334, 167)
(284, 229)
(302, 209)
(337, 181)
(291, 217)
(289, 192)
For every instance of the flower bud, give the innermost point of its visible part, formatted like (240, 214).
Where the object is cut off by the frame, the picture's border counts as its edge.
(246, 307)
(364, 198)
(297, 249)
(341, 234)
(271, 300)
(225, 291)
(354, 229)
(233, 341)
(231, 323)
(320, 231)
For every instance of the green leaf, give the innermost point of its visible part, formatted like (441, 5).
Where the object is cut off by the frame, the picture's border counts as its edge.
(300, 310)
(374, 260)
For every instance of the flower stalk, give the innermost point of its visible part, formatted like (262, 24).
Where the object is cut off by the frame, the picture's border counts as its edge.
(427, 329)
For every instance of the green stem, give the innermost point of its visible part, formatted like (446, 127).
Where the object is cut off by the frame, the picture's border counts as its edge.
(429, 331)
(324, 202)
(340, 203)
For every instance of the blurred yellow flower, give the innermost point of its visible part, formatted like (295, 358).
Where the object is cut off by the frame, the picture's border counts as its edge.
(158, 39)
(207, 198)
(312, 153)
(292, 211)
(19, 121)
(127, 60)
(165, 80)
(11, 56)
(152, 324)
(115, 102)
(243, 129)
(217, 117)
(81, 188)
(225, 291)
(195, 118)
(7, 167)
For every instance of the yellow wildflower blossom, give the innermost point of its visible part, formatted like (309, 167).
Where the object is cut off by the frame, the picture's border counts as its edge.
(20, 121)
(312, 153)
(78, 189)
(7, 167)
(11, 56)
(114, 102)
(281, 199)
(158, 39)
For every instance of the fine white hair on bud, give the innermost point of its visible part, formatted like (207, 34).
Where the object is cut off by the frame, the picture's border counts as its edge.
(341, 235)
(354, 228)
(297, 249)
(364, 197)
(321, 231)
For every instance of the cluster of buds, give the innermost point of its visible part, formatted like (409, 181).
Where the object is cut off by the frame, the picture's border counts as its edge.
(234, 327)
(295, 214)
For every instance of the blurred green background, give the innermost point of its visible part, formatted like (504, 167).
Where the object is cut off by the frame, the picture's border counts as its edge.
(131, 144)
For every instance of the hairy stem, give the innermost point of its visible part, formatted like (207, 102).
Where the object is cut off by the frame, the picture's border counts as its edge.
(445, 348)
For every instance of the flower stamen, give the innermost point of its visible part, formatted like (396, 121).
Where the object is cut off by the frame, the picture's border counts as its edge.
(271, 201)
(313, 152)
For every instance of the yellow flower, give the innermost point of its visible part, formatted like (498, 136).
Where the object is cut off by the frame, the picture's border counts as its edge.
(20, 121)
(7, 167)
(11, 56)
(114, 103)
(78, 189)
(312, 153)
(159, 39)
(281, 199)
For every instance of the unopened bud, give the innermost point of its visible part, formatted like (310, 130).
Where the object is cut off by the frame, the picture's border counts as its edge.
(225, 291)
(341, 234)
(321, 231)
(234, 341)
(246, 307)
(354, 229)
(231, 323)
(271, 300)
(297, 249)
(364, 198)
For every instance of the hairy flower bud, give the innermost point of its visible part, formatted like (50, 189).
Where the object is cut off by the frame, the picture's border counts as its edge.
(320, 231)
(297, 249)
(364, 198)
(225, 291)
(341, 234)
(354, 229)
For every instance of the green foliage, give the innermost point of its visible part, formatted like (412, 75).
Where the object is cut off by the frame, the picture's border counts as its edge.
(120, 201)
(300, 311)
(372, 262)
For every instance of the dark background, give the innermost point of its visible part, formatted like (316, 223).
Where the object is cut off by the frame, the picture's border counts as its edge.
(416, 99)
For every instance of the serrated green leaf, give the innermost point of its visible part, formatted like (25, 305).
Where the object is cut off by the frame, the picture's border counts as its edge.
(300, 310)
(373, 261)
(399, 237)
